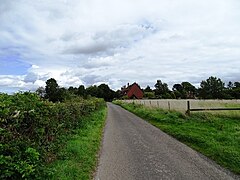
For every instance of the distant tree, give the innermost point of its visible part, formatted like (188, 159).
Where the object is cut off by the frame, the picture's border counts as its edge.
(81, 91)
(189, 91)
(102, 91)
(237, 85)
(177, 87)
(167, 95)
(230, 85)
(228, 91)
(106, 93)
(212, 88)
(118, 94)
(178, 91)
(177, 94)
(62, 94)
(188, 86)
(148, 89)
(92, 91)
(41, 92)
(161, 89)
(149, 95)
(73, 90)
(235, 91)
(52, 90)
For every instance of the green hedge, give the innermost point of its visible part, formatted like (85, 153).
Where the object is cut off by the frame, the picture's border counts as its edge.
(30, 129)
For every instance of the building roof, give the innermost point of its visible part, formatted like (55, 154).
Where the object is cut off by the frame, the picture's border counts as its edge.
(133, 91)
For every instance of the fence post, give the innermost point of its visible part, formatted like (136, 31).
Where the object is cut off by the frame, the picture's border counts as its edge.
(188, 108)
(158, 104)
(169, 108)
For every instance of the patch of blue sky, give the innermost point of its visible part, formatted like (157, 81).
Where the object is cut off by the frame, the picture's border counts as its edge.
(13, 65)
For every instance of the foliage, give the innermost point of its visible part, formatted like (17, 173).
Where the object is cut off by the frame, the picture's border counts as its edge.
(184, 90)
(30, 128)
(232, 91)
(81, 91)
(77, 159)
(212, 88)
(53, 92)
(161, 89)
(147, 89)
(105, 92)
(149, 95)
(216, 136)
(101, 91)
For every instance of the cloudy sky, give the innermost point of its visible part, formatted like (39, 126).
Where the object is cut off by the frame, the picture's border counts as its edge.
(117, 41)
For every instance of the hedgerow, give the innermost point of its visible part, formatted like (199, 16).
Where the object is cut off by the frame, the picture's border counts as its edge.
(30, 129)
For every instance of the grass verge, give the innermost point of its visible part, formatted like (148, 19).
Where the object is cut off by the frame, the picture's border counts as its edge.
(216, 136)
(78, 158)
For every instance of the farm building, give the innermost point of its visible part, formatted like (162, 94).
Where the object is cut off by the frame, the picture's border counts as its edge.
(132, 91)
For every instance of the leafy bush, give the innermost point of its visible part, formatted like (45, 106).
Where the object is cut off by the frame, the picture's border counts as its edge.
(29, 131)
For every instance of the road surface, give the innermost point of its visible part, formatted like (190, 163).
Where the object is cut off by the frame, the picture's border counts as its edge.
(134, 149)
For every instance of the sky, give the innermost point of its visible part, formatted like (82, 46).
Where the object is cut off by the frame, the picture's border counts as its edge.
(117, 42)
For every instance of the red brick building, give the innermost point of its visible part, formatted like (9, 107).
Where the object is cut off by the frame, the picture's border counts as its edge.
(133, 91)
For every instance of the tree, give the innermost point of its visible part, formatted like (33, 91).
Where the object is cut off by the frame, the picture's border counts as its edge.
(236, 90)
(41, 92)
(177, 94)
(161, 89)
(62, 94)
(148, 89)
(237, 85)
(92, 91)
(101, 91)
(53, 92)
(106, 93)
(177, 87)
(149, 95)
(73, 90)
(178, 91)
(212, 88)
(81, 91)
(230, 85)
(189, 90)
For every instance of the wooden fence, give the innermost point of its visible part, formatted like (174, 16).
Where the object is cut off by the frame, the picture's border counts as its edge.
(189, 109)
(188, 105)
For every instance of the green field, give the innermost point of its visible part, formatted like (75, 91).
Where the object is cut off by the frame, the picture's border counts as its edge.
(215, 135)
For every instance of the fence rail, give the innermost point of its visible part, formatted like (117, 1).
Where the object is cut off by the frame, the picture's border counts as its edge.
(189, 105)
(189, 109)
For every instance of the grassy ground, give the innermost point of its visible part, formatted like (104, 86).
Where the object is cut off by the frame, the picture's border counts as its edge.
(78, 159)
(216, 136)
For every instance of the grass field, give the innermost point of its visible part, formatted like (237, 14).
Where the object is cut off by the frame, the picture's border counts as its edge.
(214, 135)
(78, 158)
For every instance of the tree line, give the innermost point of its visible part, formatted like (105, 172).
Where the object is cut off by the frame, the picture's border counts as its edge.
(211, 88)
(53, 92)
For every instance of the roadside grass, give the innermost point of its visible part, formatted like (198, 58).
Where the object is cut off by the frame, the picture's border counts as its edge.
(78, 157)
(214, 135)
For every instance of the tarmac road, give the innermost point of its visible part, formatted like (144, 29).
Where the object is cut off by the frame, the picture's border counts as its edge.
(134, 149)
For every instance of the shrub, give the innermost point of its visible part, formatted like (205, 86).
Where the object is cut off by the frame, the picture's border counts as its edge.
(30, 127)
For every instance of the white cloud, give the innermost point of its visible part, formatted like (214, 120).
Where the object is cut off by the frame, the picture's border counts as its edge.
(89, 42)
